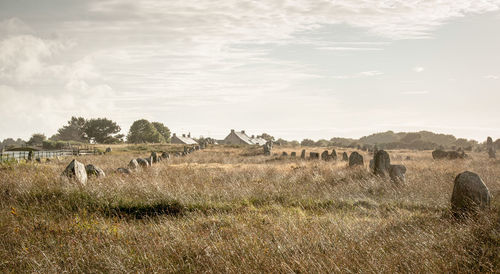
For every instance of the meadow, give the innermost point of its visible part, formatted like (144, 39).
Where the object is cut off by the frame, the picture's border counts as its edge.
(229, 209)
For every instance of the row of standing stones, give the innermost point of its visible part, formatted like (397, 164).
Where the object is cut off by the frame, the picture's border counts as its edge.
(470, 193)
(81, 173)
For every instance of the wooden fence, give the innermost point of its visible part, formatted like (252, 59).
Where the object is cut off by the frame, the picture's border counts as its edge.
(19, 155)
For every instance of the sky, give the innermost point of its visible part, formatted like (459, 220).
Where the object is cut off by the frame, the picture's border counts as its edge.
(292, 68)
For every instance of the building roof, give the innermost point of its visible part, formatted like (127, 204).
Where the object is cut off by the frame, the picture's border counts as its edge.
(244, 137)
(184, 139)
(258, 141)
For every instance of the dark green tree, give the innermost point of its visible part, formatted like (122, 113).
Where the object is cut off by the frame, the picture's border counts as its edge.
(101, 130)
(266, 137)
(307, 142)
(73, 131)
(36, 139)
(142, 131)
(163, 130)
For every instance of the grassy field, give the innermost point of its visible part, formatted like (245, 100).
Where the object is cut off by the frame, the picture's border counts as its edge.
(226, 209)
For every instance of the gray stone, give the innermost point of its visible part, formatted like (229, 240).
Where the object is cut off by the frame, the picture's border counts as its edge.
(165, 155)
(108, 150)
(371, 166)
(492, 153)
(469, 193)
(143, 162)
(381, 163)
(397, 174)
(345, 157)
(94, 171)
(133, 164)
(313, 155)
(325, 156)
(293, 154)
(150, 160)
(76, 171)
(439, 154)
(284, 154)
(355, 159)
(303, 154)
(154, 157)
(333, 156)
(38, 160)
(123, 170)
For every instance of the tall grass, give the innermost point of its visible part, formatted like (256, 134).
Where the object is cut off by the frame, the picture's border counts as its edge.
(222, 210)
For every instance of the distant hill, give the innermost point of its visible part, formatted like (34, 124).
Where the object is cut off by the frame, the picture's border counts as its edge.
(405, 140)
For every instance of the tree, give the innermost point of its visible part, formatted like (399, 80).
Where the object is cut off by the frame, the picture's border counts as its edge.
(142, 131)
(410, 137)
(36, 139)
(266, 137)
(101, 130)
(163, 130)
(73, 131)
(307, 142)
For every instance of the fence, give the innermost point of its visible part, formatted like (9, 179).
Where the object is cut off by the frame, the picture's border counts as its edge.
(18, 155)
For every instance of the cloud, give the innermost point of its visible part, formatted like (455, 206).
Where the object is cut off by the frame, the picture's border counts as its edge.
(418, 69)
(371, 73)
(415, 92)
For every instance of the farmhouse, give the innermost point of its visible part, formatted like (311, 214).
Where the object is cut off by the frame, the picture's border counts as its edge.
(240, 138)
(185, 140)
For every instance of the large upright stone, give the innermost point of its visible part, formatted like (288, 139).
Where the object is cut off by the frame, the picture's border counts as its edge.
(333, 156)
(93, 170)
(397, 174)
(355, 159)
(293, 154)
(325, 156)
(345, 157)
(439, 154)
(381, 163)
(76, 171)
(469, 193)
(303, 154)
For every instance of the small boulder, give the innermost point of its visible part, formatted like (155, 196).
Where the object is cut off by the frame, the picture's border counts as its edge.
(149, 160)
(397, 174)
(108, 150)
(345, 157)
(284, 154)
(122, 170)
(313, 155)
(165, 155)
(439, 154)
(355, 159)
(469, 193)
(303, 154)
(133, 164)
(154, 157)
(143, 162)
(76, 171)
(333, 156)
(293, 154)
(94, 171)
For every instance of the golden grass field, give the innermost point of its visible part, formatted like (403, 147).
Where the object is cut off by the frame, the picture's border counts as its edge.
(225, 209)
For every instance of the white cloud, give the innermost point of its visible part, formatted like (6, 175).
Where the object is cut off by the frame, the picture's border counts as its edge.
(371, 73)
(418, 69)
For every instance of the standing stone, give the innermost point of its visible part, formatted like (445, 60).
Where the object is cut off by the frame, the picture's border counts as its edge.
(313, 155)
(345, 157)
(154, 157)
(325, 156)
(397, 174)
(142, 162)
(108, 150)
(371, 166)
(469, 193)
(76, 171)
(284, 154)
(293, 154)
(381, 163)
(268, 147)
(38, 160)
(165, 155)
(303, 154)
(133, 165)
(355, 159)
(333, 156)
(94, 171)
(149, 160)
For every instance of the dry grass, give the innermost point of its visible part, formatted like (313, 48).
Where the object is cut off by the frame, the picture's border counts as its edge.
(220, 210)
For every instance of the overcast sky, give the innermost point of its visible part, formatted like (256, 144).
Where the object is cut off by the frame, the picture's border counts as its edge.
(292, 68)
